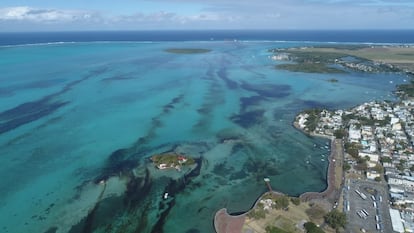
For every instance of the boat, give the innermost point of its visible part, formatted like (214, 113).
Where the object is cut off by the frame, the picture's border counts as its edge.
(165, 195)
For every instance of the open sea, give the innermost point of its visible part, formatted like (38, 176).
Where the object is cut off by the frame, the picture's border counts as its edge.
(77, 108)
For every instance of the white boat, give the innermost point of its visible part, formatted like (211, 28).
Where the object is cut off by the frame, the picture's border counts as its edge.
(165, 195)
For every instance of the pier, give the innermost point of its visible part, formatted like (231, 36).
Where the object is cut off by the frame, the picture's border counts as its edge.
(267, 181)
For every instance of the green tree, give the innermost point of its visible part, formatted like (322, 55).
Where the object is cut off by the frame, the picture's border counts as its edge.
(353, 149)
(378, 179)
(335, 219)
(386, 159)
(353, 152)
(412, 168)
(281, 202)
(378, 168)
(346, 166)
(257, 214)
(401, 165)
(295, 200)
(310, 227)
(339, 133)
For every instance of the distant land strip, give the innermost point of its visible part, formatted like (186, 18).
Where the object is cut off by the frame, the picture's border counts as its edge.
(342, 59)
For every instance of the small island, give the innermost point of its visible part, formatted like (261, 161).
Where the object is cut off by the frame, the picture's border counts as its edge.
(171, 160)
(187, 50)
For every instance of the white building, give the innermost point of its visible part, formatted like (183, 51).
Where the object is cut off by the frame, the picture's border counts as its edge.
(372, 175)
(397, 223)
(354, 134)
(372, 157)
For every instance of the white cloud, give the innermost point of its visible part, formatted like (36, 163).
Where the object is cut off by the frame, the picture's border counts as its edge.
(220, 14)
(24, 13)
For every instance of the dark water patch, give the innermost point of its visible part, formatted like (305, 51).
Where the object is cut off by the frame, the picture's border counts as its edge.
(237, 148)
(18, 139)
(120, 77)
(39, 84)
(178, 99)
(107, 211)
(274, 132)
(117, 163)
(26, 113)
(103, 214)
(196, 171)
(222, 74)
(42, 84)
(317, 104)
(203, 110)
(193, 230)
(250, 101)
(6, 92)
(47, 210)
(221, 169)
(248, 119)
(171, 105)
(268, 90)
(221, 181)
(157, 123)
(252, 69)
(142, 219)
(260, 167)
(159, 225)
(69, 86)
(229, 134)
(137, 189)
(238, 175)
(49, 122)
(32, 111)
(214, 97)
(52, 230)
(86, 224)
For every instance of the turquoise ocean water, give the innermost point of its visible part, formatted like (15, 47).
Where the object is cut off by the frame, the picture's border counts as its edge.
(73, 114)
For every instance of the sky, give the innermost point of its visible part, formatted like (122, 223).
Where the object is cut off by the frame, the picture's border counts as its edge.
(70, 15)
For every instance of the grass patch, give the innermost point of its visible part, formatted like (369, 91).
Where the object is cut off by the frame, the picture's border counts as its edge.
(315, 213)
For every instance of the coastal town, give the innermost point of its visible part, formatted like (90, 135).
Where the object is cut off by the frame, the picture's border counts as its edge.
(370, 179)
(378, 141)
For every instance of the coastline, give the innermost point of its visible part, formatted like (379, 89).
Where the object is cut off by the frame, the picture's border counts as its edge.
(227, 223)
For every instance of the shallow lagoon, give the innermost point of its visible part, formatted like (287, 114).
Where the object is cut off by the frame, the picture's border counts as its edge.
(74, 114)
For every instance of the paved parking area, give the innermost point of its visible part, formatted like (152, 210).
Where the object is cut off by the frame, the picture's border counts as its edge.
(378, 213)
